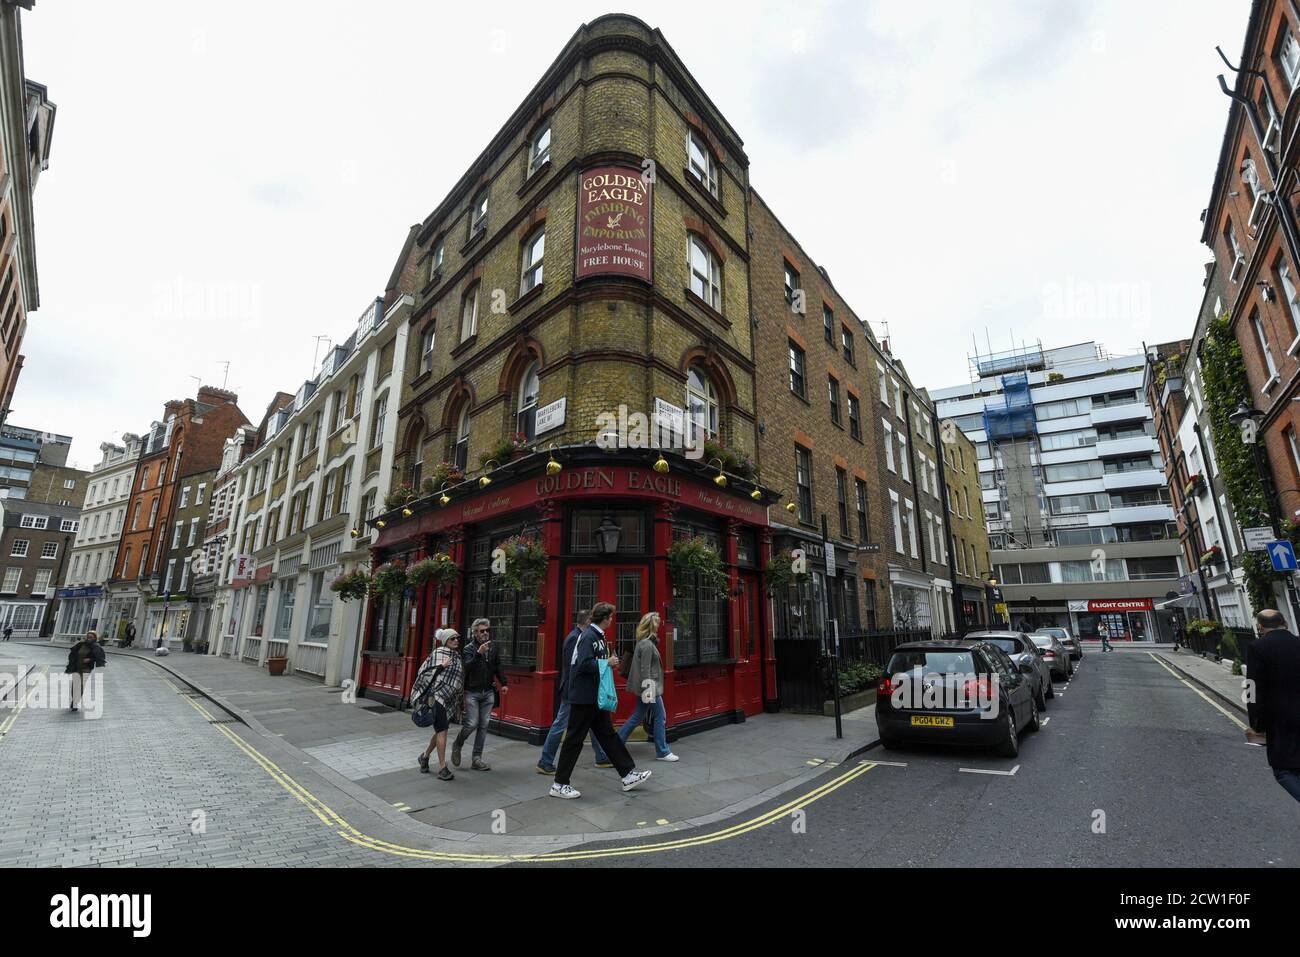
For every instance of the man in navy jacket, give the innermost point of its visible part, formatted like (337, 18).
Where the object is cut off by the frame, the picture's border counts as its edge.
(546, 764)
(585, 714)
(1273, 669)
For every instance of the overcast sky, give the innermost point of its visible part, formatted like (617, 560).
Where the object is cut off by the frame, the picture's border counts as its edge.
(228, 182)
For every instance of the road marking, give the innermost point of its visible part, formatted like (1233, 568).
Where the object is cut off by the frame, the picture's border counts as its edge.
(1009, 774)
(662, 821)
(1214, 704)
(343, 829)
(888, 764)
(815, 761)
(21, 705)
(1045, 720)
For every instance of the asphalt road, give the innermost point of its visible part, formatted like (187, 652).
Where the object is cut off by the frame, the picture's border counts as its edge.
(1127, 745)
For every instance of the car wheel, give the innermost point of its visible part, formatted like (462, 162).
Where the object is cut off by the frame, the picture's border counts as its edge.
(1034, 721)
(1069, 669)
(1010, 746)
(889, 744)
(1051, 688)
(1040, 699)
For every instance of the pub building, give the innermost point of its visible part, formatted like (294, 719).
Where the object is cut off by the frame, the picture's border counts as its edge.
(606, 521)
(590, 268)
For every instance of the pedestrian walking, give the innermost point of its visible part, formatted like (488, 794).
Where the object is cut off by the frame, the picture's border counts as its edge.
(9, 632)
(82, 659)
(645, 679)
(482, 667)
(130, 634)
(585, 712)
(1104, 634)
(440, 681)
(1273, 671)
(546, 764)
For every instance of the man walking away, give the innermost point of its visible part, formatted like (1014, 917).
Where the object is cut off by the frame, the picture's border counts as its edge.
(546, 765)
(9, 632)
(1273, 668)
(82, 659)
(482, 665)
(585, 714)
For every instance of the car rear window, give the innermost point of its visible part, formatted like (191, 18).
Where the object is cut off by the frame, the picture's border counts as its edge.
(933, 662)
(1042, 641)
(1010, 645)
(1055, 632)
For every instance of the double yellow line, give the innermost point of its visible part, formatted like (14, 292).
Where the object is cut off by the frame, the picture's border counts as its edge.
(22, 703)
(343, 829)
(1214, 704)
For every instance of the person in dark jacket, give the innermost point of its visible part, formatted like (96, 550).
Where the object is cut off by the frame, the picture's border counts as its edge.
(546, 765)
(584, 712)
(482, 667)
(9, 632)
(1273, 670)
(82, 659)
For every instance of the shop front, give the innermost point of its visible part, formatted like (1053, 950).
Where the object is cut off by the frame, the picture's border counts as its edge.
(80, 609)
(606, 530)
(1130, 619)
(972, 607)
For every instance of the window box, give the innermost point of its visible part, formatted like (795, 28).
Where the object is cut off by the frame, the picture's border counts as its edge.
(1195, 486)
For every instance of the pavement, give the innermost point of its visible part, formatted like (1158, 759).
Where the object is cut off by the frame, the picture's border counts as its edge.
(722, 772)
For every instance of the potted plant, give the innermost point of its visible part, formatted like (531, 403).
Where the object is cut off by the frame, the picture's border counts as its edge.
(1211, 555)
(507, 450)
(276, 665)
(351, 586)
(398, 497)
(439, 569)
(733, 462)
(187, 644)
(446, 472)
(389, 579)
(526, 561)
(693, 561)
(1195, 486)
(781, 574)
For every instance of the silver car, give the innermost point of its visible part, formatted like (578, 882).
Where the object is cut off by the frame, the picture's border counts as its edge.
(1025, 655)
(1071, 643)
(1055, 653)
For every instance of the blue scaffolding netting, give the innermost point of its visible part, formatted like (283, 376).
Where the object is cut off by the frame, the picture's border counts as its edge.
(1014, 417)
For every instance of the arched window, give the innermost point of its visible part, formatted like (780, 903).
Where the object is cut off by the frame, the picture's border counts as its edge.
(706, 273)
(526, 410)
(460, 453)
(531, 273)
(701, 404)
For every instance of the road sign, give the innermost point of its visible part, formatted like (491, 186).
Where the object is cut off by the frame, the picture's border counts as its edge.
(1257, 539)
(1283, 556)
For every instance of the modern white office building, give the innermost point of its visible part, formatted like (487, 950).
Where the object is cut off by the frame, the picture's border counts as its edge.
(1080, 523)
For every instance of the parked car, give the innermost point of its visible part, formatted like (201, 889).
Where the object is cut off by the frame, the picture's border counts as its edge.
(1073, 644)
(1056, 654)
(1022, 651)
(980, 696)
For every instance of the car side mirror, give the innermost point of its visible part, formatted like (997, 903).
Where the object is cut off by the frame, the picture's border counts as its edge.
(1026, 669)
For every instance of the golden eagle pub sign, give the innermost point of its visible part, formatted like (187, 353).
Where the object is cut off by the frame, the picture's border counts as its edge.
(613, 223)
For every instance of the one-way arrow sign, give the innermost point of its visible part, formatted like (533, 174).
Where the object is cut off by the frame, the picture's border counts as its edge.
(1283, 555)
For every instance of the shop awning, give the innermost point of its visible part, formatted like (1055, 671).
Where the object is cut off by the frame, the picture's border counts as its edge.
(1182, 601)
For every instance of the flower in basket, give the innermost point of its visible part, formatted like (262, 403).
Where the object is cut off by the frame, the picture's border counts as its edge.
(390, 578)
(525, 562)
(351, 586)
(780, 572)
(439, 569)
(1211, 555)
(695, 562)
(398, 497)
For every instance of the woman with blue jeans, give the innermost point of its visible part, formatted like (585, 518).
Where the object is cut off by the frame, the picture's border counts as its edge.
(645, 679)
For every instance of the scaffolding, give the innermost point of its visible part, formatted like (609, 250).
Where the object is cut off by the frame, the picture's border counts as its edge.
(1012, 429)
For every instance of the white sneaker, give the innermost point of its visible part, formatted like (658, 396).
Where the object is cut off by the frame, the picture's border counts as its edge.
(634, 778)
(669, 757)
(566, 792)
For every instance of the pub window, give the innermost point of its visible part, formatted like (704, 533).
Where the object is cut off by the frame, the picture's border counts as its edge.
(746, 550)
(478, 213)
(526, 413)
(469, 313)
(534, 251)
(705, 272)
(584, 539)
(701, 404)
(540, 153)
(702, 165)
(427, 339)
(513, 614)
(460, 452)
(700, 615)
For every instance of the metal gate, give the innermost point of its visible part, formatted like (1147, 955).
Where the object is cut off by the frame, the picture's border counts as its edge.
(800, 685)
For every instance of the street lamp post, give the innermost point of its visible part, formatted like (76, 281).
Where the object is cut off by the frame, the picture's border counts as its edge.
(1238, 418)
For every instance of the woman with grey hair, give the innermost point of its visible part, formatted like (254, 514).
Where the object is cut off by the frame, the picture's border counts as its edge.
(440, 679)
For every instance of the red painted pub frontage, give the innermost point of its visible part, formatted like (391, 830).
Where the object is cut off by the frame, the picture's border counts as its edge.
(606, 521)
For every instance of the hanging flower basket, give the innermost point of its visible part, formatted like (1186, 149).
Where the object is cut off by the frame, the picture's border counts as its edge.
(1195, 486)
(694, 562)
(390, 579)
(781, 574)
(1211, 555)
(351, 586)
(445, 472)
(526, 561)
(439, 569)
(516, 446)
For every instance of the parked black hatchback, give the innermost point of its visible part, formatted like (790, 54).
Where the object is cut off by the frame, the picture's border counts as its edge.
(954, 692)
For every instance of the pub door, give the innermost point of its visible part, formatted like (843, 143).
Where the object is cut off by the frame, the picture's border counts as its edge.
(625, 587)
(749, 652)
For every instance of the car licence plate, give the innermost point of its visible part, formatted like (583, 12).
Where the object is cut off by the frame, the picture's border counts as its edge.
(931, 721)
